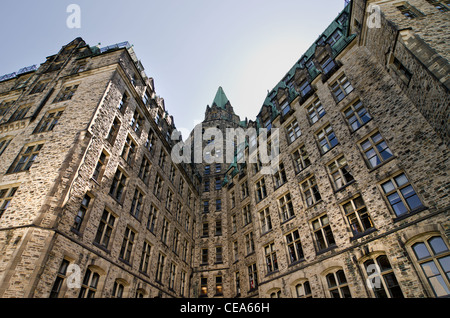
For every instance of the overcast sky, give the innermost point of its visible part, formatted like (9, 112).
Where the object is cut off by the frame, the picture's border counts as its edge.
(189, 47)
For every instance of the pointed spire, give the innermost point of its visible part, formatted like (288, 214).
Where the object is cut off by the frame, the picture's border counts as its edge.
(221, 99)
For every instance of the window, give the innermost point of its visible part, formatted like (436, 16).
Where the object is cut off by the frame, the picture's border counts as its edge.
(340, 173)
(204, 256)
(322, 232)
(20, 113)
(253, 277)
(439, 5)
(219, 286)
(286, 207)
(235, 251)
(6, 106)
(327, 63)
(285, 108)
(294, 246)
(315, 111)
(100, 167)
(4, 143)
(39, 87)
(261, 191)
(206, 186)
(60, 277)
(152, 217)
(165, 231)
(404, 73)
(247, 215)
(218, 167)
(207, 170)
(162, 159)
(6, 195)
(401, 195)
(357, 215)
(233, 199)
(129, 150)
(310, 191)
(169, 200)
(25, 159)
(111, 138)
(218, 205)
(237, 281)
(218, 228)
(334, 37)
(408, 11)
(172, 275)
(89, 284)
(183, 284)
(203, 287)
(382, 277)
(376, 150)
(127, 245)
(249, 243)
(305, 88)
(48, 122)
(157, 189)
(118, 185)
(280, 176)
(205, 229)
(150, 143)
(81, 213)
(160, 267)
(266, 220)
(293, 131)
(303, 290)
(276, 294)
(137, 204)
(327, 139)
(341, 88)
(175, 241)
(356, 115)
(218, 184)
(118, 289)
(123, 103)
(219, 255)
(433, 257)
(271, 258)
(337, 285)
(65, 94)
(301, 159)
(105, 229)
(205, 206)
(144, 170)
(145, 258)
(137, 123)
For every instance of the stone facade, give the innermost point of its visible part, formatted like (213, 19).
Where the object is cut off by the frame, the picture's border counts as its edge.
(358, 205)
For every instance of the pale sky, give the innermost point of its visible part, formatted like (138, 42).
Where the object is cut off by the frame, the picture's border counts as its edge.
(189, 47)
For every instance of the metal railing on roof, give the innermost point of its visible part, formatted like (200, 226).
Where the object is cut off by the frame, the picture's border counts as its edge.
(24, 70)
(115, 46)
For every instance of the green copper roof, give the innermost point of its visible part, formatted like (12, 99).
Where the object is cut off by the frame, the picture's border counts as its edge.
(221, 99)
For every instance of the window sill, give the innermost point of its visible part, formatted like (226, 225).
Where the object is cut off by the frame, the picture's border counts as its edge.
(296, 262)
(345, 186)
(267, 232)
(103, 248)
(409, 214)
(287, 220)
(381, 164)
(361, 235)
(323, 251)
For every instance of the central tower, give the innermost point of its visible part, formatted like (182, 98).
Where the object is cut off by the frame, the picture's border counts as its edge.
(213, 247)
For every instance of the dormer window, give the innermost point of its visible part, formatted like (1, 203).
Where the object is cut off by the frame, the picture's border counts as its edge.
(285, 108)
(305, 88)
(334, 37)
(327, 64)
(268, 124)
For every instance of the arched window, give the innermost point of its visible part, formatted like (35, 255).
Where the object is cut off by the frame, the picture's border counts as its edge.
(432, 255)
(303, 290)
(118, 289)
(337, 285)
(381, 278)
(89, 284)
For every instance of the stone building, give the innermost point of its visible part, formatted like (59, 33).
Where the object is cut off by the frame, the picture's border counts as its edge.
(357, 204)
